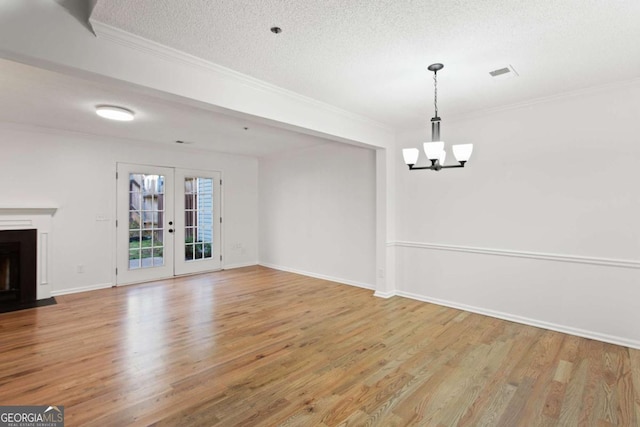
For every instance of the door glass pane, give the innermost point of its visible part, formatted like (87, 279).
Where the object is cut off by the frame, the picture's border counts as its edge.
(157, 238)
(198, 218)
(134, 219)
(134, 259)
(189, 218)
(146, 209)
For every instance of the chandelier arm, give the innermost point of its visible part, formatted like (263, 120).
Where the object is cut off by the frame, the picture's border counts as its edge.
(413, 168)
(437, 167)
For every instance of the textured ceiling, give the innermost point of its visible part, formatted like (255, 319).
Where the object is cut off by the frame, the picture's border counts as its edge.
(34, 96)
(370, 56)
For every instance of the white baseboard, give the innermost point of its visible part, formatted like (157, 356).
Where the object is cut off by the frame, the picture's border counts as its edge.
(81, 289)
(239, 265)
(381, 294)
(625, 342)
(318, 276)
(110, 285)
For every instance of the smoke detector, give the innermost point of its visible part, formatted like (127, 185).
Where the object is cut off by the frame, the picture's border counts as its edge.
(504, 73)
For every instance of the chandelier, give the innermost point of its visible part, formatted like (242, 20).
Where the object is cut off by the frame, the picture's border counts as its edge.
(434, 150)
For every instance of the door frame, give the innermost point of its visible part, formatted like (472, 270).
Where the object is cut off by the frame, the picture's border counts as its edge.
(117, 281)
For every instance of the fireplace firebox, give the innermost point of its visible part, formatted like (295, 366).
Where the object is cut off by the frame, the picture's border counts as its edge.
(18, 268)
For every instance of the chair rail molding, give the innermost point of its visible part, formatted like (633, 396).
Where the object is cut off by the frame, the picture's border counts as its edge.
(606, 262)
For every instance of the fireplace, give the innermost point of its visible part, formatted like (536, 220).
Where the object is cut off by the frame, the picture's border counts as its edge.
(18, 268)
(25, 239)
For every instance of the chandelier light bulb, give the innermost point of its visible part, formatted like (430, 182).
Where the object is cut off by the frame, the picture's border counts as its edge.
(462, 152)
(410, 155)
(433, 149)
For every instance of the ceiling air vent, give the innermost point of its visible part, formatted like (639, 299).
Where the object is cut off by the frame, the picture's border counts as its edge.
(503, 73)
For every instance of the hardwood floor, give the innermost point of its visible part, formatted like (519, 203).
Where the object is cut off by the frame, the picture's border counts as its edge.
(256, 346)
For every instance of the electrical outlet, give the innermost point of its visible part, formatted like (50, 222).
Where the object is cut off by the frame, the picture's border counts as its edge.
(80, 268)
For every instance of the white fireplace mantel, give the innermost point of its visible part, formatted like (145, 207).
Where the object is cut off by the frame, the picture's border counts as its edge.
(27, 211)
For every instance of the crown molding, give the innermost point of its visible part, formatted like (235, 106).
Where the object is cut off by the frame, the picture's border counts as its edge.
(605, 262)
(544, 99)
(141, 44)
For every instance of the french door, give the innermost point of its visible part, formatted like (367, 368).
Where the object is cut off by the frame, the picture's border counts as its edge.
(168, 222)
(198, 224)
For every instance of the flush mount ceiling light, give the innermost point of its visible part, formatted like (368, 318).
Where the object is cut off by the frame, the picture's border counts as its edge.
(112, 112)
(435, 149)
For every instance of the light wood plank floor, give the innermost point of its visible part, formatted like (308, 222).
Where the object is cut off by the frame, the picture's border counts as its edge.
(256, 346)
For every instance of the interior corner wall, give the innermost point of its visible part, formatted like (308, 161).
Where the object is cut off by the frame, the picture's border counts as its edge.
(317, 213)
(541, 226)
(76, 174)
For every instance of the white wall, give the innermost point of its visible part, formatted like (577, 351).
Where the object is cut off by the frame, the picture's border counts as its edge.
(542, 226)
(317, 212)
(76, 174)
